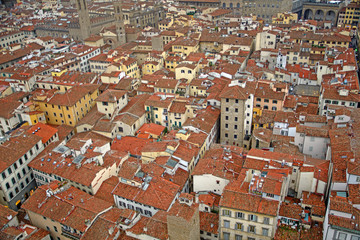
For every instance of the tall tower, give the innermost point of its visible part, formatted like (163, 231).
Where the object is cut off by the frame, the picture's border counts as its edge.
(84, 19)
(119, 23)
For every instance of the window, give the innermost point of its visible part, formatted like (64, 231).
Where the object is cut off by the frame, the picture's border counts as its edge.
(274, 101)
(7, 185)
(355, 238)
(226, 212)
(265, 232)
(274, 108)
(252, 217)
(311, 148)
(235, 136)
(226, 235)
(270, 195)
(13, 180)
(266, 220)
(342, 236)
(238, 226)
(236, 110)
(227, 109)
(235, 119)
(20, 161)
(3, 175)
(240, 215)
(226, 117)
(226, 125)
(251, 229)
(11, 195)
(226, 135)
(235, 126)
(258, 99)
(227, 100)
(238, 237)
(226, 224)
(266, 100)
(55, 228)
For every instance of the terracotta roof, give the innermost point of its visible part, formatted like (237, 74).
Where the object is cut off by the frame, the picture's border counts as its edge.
(156, 101)
(8, 107)
(159, 194)
(263, 134)
(20, 142)
(43, 130)
(209, 222)
(101, 228)
(217, 162)
(151, 128)
(166, 83)
(73, 95)
(205, 119)
(92, 117)
(130, 144)
(111, 95)
(6, 213)
(71, 207)
(104, 126)
(237, 92)
(292, 211)
(133, 110)
(249, 203)
(178, 107)
(151, 227)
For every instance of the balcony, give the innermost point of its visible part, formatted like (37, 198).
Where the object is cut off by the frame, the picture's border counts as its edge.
(70, 234)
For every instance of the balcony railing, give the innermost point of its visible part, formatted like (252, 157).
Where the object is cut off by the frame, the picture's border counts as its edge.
(70, 234)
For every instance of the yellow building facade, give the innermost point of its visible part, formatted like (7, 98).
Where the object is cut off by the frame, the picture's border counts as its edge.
(67, 108)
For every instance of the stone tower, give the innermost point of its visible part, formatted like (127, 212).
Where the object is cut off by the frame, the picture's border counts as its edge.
(84, 18)
(183, 221)
(119, 23)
